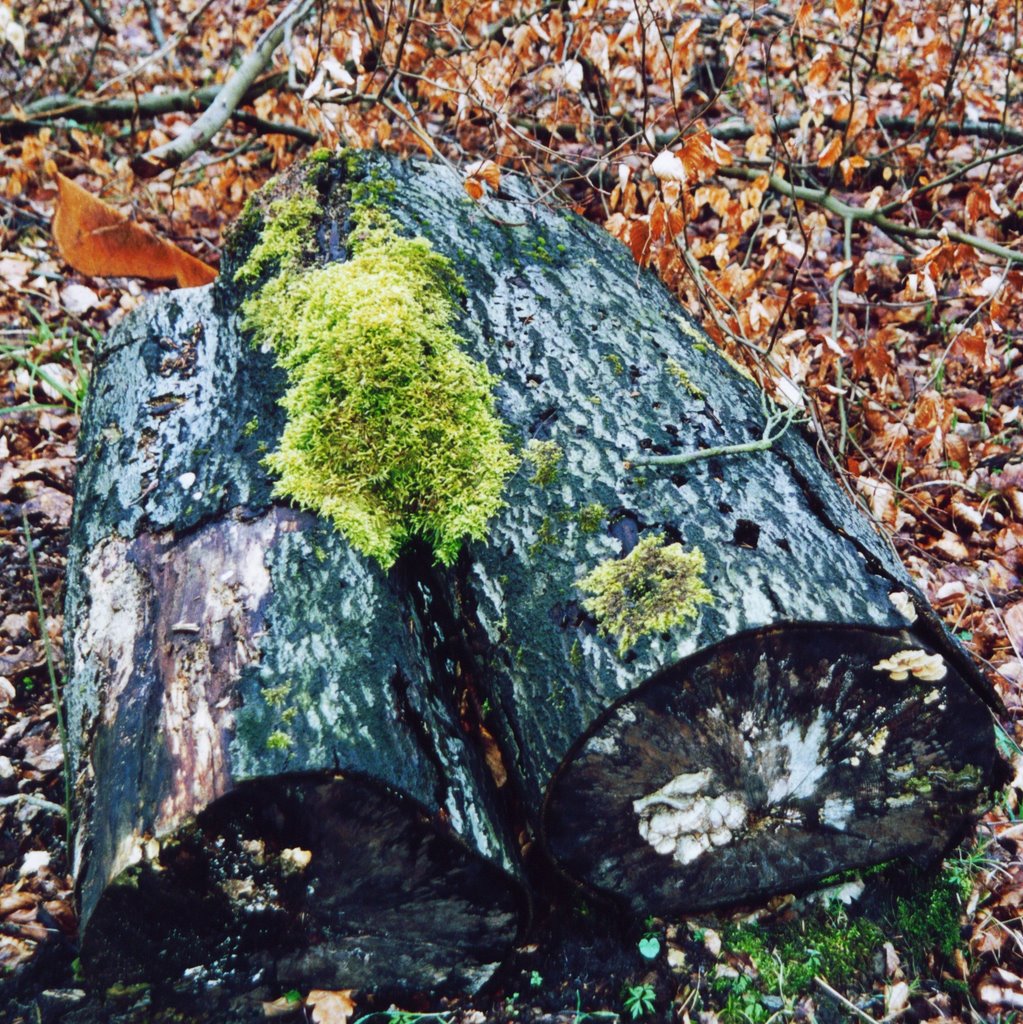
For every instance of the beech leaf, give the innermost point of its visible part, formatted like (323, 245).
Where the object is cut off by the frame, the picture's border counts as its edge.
(100, 241)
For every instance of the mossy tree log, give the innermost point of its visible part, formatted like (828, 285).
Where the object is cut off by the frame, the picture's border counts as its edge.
(269, 773)
(279, 743)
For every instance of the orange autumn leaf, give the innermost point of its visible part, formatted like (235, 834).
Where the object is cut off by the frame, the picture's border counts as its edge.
(99, 241)
(331, 1007)
(483, 171)
(830, 153)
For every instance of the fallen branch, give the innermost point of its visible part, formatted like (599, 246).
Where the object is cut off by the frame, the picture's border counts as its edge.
(33, 801)
(731, 130)
(98, 18)
(36, 114)
(275, 128)
(892, 228)
(228, 98)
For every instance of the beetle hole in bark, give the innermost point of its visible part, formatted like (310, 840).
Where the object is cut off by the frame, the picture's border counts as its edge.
(783, 544)
(625, 529)
(724, 508)
(746, 534)
(540, 428)
(678, 479)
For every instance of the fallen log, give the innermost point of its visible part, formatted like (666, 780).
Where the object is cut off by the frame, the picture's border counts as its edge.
(304, 741)
(756, 733)
(269, 777)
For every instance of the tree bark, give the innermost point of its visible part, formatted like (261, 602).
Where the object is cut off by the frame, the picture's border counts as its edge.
(267, 769)
(759, 749)
(279, 746)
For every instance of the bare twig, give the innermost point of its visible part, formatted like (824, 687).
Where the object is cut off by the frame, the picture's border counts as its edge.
(34, 801)
(875, 217)
(230, 95)
(776, 422)
(97, 17)
(54, 690)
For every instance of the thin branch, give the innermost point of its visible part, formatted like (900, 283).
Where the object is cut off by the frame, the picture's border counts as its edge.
(230, 95)
(776, 423)
(274, 127)
(34, 801)
(839, 998)
(98, 18)
(876, 217)
(153, 105)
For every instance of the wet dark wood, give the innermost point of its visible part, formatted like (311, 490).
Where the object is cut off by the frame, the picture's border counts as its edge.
(222, 645)
(277, 746)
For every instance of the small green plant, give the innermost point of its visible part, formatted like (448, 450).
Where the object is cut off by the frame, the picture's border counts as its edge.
(653, 588)
(639, 1000)
(544, 457)
(51, 669)
(535, 979)
(52, 359)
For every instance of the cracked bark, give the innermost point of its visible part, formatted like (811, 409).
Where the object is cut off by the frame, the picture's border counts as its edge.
(244, 685)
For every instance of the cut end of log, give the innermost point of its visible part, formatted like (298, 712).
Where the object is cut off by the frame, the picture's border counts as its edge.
(768, 763)
(323, 881)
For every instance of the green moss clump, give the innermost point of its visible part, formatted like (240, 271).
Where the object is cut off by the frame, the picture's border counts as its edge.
(928, 921)
(391, 431)
(544, 457)
(589, 517)
(653, 588)
(279, 740)
(285, 235)
(789, 957)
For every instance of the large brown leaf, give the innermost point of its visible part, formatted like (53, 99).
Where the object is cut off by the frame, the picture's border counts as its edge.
(98, 240)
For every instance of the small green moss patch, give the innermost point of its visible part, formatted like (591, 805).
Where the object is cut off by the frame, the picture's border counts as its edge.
(391, 431)
(682, 378)
(653, 588)
(285, 235)
(544, 457)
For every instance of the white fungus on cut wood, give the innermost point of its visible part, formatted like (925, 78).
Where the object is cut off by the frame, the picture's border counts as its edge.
(679, 820)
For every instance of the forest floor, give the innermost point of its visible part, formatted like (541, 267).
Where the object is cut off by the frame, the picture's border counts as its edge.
(948, 946)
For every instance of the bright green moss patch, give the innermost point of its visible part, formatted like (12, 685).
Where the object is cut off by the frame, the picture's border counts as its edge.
(591, 516)
(653, 588)
(682, 378)
(929, 919)
(284, 236)
(788, 957)
(391, 431)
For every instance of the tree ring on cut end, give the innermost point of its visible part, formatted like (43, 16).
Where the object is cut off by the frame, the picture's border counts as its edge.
(306, 881)
(764, 764)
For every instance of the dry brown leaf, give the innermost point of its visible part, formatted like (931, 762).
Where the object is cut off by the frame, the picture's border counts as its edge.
(830, 153)
(331, 1007)
(100, 241)
(281, 1007)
